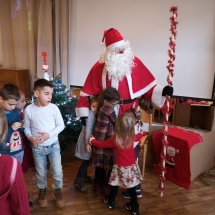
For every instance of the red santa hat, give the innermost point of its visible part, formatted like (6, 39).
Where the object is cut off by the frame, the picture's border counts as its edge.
(112, 38)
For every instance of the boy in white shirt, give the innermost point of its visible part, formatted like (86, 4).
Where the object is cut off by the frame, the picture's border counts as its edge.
(44, 122)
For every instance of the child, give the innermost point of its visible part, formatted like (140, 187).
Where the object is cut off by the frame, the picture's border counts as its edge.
(9, 97)
(28, 157)
(83, 148)
(138, 129)
(102, 159)
(44, 122)
(125, 172)
(28, 160)
(13, 194)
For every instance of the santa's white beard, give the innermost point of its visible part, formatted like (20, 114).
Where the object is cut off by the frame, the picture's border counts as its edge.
(118, 65)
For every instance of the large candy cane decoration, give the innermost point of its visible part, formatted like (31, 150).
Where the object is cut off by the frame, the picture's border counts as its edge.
(166, 112)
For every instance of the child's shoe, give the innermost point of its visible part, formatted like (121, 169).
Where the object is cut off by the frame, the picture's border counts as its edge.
(88, 179)
(30, 204)
(138, 191)
(59, 198)
(134, 212)
(111, 205)
(79, 184)
(126, 195)
(42, 198)
(139, 194)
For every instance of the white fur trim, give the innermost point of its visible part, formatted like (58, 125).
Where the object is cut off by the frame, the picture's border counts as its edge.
(140, 92)
(84, 111)
(157, 97)
(114, 82)
(115, 45)
(104, 75)
(84, 94)
(116, 108)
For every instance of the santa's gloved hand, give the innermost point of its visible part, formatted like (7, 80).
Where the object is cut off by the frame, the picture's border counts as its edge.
(167, 90)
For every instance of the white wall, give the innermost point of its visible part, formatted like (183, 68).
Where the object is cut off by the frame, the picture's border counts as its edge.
(146, 25)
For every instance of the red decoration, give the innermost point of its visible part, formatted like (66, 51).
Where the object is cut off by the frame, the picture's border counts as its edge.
(165, 110)
(44, 56)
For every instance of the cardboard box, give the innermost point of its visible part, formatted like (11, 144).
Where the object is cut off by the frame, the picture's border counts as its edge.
(195, 116)
(201, 155)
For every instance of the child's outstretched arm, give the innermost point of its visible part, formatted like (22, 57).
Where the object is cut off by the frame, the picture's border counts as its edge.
(109, 143)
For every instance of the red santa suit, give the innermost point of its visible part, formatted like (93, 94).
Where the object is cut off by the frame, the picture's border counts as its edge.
(140, 82)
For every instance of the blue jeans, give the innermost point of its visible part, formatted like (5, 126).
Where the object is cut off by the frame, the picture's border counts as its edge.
(19, 156)
(53, 153)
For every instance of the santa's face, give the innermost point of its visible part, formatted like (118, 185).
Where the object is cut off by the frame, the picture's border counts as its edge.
(118, 61)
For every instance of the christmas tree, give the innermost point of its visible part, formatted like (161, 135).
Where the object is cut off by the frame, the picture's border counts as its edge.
(66, 103)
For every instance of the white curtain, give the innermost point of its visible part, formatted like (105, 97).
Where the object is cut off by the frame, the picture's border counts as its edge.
(29, 27)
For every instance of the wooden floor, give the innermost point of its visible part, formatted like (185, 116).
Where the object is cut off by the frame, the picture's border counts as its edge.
(199, 200)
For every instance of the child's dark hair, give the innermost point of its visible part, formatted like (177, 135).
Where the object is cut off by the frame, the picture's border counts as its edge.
(110, 94)
(40, 83)
(94, 99)
(10, 91)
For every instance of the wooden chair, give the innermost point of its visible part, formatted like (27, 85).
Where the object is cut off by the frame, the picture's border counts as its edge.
(172, 106)
(146, 118)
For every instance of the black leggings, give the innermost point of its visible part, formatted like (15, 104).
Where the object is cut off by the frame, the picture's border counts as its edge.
(82, 172)
(132, 192)
(100, 175)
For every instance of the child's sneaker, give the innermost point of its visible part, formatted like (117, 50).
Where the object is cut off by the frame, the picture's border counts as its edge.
(59, 198)
(30, 204)
(42, 198)
(134, 212)
(111, 205)
(126, 195)
(88, 179)
(139, 194)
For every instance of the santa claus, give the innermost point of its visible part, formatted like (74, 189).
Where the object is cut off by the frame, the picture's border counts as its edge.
(119, 68)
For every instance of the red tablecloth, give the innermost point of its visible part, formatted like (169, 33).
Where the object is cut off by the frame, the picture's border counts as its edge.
(178, 154)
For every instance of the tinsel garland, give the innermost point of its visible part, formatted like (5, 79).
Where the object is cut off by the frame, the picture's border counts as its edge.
(166, 112)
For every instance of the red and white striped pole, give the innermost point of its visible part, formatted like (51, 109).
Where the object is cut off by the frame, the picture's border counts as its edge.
(170, 67)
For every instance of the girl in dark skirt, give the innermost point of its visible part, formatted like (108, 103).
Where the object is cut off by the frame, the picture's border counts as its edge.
(102, 159)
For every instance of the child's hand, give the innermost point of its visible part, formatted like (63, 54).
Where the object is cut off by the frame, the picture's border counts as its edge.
(32, 139)
(16, 126)
(91, 138)
(42, 138)
(88, 147)
(22, 124)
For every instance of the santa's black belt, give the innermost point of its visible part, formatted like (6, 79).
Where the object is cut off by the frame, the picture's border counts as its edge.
(126, 101)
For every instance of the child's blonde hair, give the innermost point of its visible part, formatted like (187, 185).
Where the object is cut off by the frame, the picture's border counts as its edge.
(3, 125)
(124, 130)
